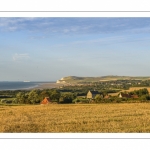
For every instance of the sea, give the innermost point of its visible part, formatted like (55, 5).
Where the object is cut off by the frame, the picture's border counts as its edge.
(19, 85)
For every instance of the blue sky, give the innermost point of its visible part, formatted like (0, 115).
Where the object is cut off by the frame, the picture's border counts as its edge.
(46, 49)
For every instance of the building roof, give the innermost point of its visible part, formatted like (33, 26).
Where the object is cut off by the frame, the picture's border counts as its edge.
(134, 96)
(125, 95)
(94, 92)
(46, 100)
(106, 97)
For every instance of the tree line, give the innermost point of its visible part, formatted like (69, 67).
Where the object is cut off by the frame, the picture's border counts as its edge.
(36, 96)
(72, 96)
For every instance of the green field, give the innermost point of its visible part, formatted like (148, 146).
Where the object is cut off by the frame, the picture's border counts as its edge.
(81, 118)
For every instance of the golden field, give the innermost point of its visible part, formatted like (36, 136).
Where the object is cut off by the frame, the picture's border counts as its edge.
(138, 88)
(130, 90)
(81, 118)
(134, 88)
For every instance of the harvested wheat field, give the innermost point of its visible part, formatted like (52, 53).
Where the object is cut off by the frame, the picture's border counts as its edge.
(82, 118)
(137, 88)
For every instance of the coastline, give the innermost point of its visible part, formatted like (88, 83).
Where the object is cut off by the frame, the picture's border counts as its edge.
(6, 86)
(46, 86)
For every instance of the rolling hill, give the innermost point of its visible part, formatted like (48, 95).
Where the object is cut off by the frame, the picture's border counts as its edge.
(76, 79)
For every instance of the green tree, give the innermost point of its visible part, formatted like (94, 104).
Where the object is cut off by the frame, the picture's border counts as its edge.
(21, 97)
(67, 98)
(45, 93)
(55, 95)
(98, 98)
(33, 97)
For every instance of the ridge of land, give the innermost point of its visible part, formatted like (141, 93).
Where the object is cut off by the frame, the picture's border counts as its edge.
(76, 79)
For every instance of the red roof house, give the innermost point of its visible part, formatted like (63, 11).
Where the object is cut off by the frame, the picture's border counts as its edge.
(46, 100)
(106, 97)
(134, 96)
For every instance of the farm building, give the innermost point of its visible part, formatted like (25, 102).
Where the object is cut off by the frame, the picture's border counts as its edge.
(134, 96)
(121, 95)
(107, 97)
(46, 100)
(92, 94)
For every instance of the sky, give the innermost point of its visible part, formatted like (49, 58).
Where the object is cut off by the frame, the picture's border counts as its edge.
(49, 48)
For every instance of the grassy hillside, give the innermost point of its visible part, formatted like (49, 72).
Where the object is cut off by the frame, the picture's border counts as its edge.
(75, 79)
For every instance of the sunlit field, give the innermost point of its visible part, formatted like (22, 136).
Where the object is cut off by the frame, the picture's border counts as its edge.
(81, 118)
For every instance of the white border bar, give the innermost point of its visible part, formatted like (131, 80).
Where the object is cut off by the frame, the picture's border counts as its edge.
(74, 136)
(74, 5)
(74, 14)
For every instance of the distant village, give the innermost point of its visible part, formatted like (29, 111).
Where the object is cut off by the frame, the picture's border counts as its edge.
(113, 91)
(109, 91)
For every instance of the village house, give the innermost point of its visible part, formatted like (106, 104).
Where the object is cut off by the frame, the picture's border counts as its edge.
(46, 100)
(126, 95)
(107, 97)
(121, 95)
(134, 96)
(92, 94)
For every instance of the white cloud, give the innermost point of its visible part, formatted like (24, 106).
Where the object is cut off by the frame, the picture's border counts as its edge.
(13, 24)
(50, 25)
(20, 57)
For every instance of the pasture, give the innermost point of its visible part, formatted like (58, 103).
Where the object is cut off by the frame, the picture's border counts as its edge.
(73, 118)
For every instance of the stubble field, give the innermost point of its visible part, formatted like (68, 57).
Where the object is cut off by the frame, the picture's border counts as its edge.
(81, 118)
